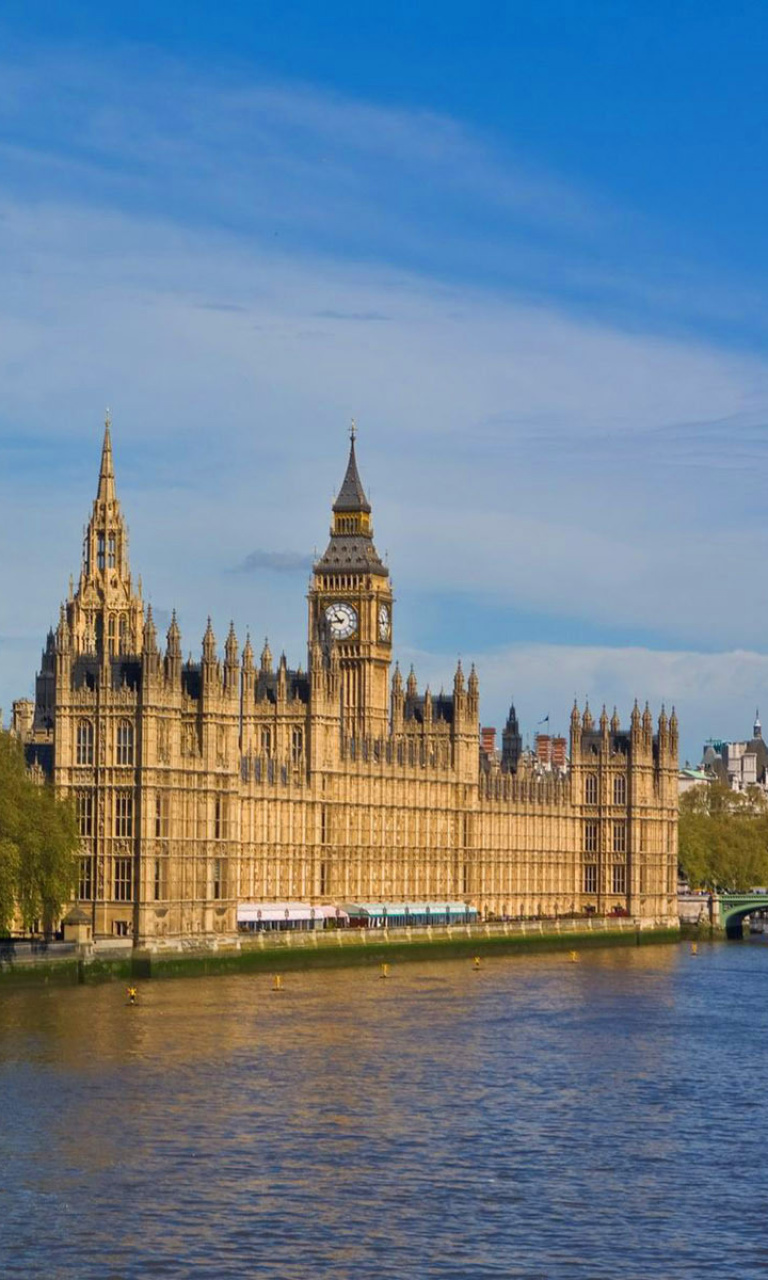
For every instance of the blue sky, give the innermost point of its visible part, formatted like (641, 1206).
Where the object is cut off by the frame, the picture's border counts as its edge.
(522, 244)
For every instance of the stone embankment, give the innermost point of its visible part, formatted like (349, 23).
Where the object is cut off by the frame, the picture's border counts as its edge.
(284, 950)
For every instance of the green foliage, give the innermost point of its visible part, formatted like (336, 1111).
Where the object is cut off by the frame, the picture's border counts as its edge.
(38, 844)
(724, 837)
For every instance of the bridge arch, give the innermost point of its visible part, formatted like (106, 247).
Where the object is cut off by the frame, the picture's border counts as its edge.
(735, 906)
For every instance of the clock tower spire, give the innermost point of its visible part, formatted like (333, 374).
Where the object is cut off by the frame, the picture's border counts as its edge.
(350, 608)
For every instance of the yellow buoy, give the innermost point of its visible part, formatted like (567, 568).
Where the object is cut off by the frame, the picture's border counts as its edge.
(477, 962)
(694, 949)
(132, 994)
(385, 971)
(573, 957)
(277, 983)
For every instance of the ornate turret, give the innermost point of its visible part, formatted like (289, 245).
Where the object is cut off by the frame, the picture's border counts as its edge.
(411, 687)
(575, 718)
(151, 653)
(458, 680)
(473, 691)
(104, 615)
(231, 663)
(757, 728)
(266, 657)
(150, 632)
(587, 721)
(209, 644)
(615, 722)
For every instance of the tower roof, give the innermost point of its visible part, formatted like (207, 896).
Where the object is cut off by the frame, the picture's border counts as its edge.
(351, 547)
(106, 489)
(351, 496)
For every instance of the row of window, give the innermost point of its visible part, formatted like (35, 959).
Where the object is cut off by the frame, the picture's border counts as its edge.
(619, 837)
(619, 789)
(122, 879)
(124, 743)
(618, 877)
(123, 825)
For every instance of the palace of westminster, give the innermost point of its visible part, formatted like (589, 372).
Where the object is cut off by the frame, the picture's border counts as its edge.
(200, 787)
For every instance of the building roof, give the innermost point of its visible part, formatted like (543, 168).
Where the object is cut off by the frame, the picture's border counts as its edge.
(351, 496)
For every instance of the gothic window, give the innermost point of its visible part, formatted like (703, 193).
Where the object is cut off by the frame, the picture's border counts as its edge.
(590, 878)
(100, 551)
(266, 741)
(111, 633)
(123, 879)
(620, 878)
(217, 878)
(590, 837)
(85, 742)
(111, 551)
(125, 742)
(124, 815)
(297, 745)
(161, 817)
(620, 789)
(590, 789)
(220, 819)
(123, 633)
(159, 882)
(84, 810)
(619, 837)
(85, 880)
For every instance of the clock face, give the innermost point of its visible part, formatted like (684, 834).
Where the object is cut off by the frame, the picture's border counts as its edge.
(385, 625)
(342, 620)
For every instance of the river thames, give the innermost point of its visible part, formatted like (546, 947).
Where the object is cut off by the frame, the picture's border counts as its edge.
(537, 1119)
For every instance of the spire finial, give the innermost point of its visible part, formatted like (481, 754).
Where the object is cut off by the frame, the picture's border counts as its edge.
(353, 430)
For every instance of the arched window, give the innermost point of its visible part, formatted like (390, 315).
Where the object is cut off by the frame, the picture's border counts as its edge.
(123, 633)
(85, 742)
(266, 740)
(125, 742)
(620, 789)
(590, 789)
(297, 745)
(111, 633)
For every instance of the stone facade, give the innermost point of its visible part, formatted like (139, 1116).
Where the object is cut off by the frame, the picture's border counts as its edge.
(203, 785)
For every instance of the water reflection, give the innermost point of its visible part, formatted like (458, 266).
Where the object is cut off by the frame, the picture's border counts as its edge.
(535, 1118)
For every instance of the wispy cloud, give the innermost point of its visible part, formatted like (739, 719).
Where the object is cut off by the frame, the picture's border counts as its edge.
(276, 561)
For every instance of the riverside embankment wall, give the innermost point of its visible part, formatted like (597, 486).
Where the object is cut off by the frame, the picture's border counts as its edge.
(280, 952)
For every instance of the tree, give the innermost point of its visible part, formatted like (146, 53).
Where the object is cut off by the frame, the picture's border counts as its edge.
(724, 837)
(39, 842)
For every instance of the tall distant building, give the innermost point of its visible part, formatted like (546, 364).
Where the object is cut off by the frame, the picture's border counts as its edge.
(201, 786)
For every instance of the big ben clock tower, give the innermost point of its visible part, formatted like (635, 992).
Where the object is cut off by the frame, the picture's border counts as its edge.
(350, 608)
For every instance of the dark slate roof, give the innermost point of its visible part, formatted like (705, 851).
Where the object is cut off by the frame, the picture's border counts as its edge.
(354, 552)
(126, 671)
(297, 685)
(191, 681)
(351, 494)
(617, 741)
(442, 708)
(40, 753)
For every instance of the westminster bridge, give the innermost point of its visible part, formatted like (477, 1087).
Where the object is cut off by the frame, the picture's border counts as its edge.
(725, 911)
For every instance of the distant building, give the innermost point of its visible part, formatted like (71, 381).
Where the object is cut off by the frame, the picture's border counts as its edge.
(739, 765)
